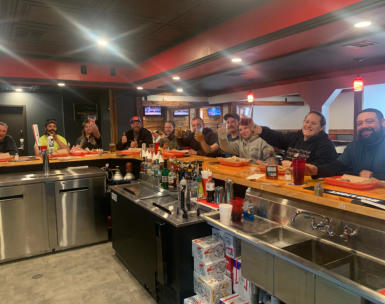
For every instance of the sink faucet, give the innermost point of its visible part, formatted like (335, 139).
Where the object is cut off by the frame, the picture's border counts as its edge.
(45, 163)
(348, 232)
(323, 225)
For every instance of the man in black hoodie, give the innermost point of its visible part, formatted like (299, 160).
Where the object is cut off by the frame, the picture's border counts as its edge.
(311, 142)
(135, 137)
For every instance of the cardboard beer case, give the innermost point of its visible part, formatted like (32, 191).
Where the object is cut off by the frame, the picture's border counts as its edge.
(212, 290)
(207, 249)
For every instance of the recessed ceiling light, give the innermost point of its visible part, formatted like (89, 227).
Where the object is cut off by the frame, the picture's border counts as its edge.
(179, 90)
(18, 90)
(61, 84)
(102, 42)
(175, 77)
(139, 88)
(363, 24)
(236, 59)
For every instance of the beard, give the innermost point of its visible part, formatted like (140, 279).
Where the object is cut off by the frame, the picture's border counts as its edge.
(373, 138)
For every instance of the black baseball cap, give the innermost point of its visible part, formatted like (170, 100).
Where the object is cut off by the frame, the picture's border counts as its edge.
(135, 118)
(233, 115)
(52, 120)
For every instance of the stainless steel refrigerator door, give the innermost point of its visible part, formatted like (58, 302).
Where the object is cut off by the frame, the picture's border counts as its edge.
(23, 221)
(79, 212)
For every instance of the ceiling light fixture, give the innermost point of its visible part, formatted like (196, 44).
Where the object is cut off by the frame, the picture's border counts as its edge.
(236, 59)
(362, 24)
(175, 77)
(61, 84)
(139, 88)
(358, 84)
(19, 90)
(179, 90)
(102, 42)
(250, 97)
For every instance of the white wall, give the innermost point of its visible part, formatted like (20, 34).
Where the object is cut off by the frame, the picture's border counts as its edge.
(280, 117)
(341, 112)
(374, 97)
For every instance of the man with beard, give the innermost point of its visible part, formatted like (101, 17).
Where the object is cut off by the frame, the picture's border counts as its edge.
(232, 122)
(364, 157)
(59, 142)
(7, 144)
(135, 137)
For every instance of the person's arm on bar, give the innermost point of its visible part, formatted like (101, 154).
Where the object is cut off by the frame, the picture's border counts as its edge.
(61, 142)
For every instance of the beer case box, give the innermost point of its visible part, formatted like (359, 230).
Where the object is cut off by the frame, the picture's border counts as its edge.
(233, 299)
(212, 290)
(237, 263)
(247, 290)
(231, 244)
(194, 300)
(207, 249)
(211, 270)
(229, 267)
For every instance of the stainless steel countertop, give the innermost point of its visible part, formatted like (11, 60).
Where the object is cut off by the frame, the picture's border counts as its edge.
(243, 233)
(166, 199)
(54, 175)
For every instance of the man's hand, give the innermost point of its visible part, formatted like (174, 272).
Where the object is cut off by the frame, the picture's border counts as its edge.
(366, 174)
(311, 170)
(199, 137)
(124, 138)
(192, 152)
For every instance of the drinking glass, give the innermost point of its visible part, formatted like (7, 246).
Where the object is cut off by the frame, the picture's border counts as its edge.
(298, 170)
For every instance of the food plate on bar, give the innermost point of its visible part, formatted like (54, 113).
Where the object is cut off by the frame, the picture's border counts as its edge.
(352, 182)
(281, 169)
(130, 151)
(174, 153)
(233, 161)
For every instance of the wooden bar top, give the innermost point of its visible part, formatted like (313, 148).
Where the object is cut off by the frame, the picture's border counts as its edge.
(282, 187)
(68, 159)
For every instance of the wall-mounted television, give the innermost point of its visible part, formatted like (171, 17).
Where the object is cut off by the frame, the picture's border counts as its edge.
(152, 111)
(183, 112)
(214, 111)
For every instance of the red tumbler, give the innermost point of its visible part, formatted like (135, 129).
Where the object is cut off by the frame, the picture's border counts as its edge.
(298, 170)
(236, 213)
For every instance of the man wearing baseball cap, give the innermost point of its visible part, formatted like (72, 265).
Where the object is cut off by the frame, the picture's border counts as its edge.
(59, 142)
(232, 123)
(136, 136)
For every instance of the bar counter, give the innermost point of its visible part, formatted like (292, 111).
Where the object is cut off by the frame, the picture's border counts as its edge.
(282, 187)
(238, 175)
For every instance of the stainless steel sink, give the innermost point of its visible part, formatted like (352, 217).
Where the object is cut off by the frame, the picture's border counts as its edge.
(361, 270)
(317, 252)
(282, 237)
(40, 175)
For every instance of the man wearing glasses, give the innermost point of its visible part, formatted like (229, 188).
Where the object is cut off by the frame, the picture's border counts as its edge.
(365, 156)
(59, 142)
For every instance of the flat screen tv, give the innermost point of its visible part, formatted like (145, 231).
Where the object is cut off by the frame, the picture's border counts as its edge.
(152, 111)
(214, 111)
(183, 112)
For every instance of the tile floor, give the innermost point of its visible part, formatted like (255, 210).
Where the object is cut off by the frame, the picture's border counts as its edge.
(90, 275)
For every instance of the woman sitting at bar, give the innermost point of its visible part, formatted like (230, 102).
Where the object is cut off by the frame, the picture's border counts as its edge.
(248, 146)
(311, 142)
(168, 138)
(90, 136)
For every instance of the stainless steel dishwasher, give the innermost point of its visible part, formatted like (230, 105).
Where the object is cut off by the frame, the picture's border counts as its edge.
(23, 221)
(80, 218)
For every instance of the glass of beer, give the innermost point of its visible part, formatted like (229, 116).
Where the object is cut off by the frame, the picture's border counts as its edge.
(178, 132)
(199, 134)
(112, 147)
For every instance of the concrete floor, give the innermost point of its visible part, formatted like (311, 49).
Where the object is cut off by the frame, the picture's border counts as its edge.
(87, 275)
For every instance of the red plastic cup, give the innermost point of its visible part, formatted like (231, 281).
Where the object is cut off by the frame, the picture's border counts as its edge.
(156, 147)
(42, 148)
(236, 213)
(298, 170)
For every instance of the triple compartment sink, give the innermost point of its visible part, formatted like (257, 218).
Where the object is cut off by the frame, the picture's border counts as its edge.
(282, 237)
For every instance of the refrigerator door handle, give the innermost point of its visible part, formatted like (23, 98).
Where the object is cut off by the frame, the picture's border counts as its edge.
(161, 269)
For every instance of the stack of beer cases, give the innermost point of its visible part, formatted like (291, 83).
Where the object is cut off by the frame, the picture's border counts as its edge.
(210, 281)
(243, 289)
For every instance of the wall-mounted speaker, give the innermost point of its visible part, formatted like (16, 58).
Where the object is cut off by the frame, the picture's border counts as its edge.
(83, 69)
